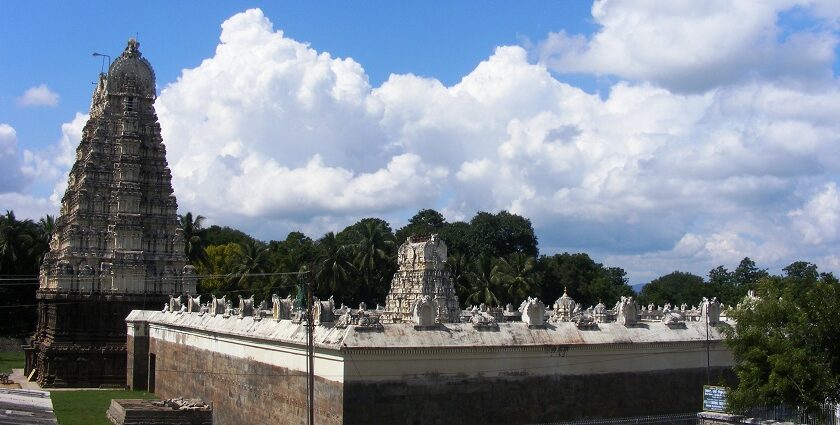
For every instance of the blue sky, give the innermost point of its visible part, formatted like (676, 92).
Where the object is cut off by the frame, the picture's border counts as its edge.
(653, 136)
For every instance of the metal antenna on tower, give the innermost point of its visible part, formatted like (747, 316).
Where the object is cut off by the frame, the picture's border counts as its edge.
(101, 71)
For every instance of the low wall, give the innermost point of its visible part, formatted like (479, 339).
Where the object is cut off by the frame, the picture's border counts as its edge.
(254, 371)
(242, 391)
(537, 399)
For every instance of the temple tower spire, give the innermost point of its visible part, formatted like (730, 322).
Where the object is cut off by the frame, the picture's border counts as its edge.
(117, 244)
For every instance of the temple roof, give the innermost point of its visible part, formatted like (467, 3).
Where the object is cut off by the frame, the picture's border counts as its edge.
(131, 73)
(449, 335)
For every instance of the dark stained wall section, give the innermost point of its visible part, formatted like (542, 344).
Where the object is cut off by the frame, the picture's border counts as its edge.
(242, 391)
(528, 399)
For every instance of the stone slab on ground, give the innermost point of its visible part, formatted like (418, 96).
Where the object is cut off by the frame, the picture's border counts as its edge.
(26, 407)
(151, 412)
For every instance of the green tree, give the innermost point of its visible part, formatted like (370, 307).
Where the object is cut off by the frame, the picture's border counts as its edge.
(456, 235)
(333, 269)
(16, 240)
(220, 235)
(785, 341)
(516, 275)
(459, 265)
(571, 273)
(251, 263)
(373, 247)
(675, 288)
(747, 275)
(222, 261)
(731, 287)
(608, 287)
(21, 252)
(498, 235)
(426, 221)
(722, 285)
(41, 244)
(482, 287)
(192, 230)
(293, 253)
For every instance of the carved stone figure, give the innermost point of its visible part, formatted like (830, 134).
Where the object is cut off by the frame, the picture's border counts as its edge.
(710, 309)
(217, 305)
(670, 317)
(322, 311)
(281, 309)
(533, 312)
(246, 306)
(193, 303)
(626, 311)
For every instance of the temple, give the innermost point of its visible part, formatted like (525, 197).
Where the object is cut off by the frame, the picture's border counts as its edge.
(117, 246)
(422, 284)
(422, 359)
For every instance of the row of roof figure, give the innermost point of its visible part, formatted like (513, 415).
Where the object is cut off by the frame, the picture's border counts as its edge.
(425, 312)
(422, 293)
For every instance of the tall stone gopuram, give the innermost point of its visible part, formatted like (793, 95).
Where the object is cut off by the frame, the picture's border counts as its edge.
(116, 246)
(422, 280)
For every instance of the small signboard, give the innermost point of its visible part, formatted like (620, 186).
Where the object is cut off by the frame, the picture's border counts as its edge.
(714, 398)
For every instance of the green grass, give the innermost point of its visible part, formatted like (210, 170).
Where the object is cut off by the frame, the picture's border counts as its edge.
(11, 360)
(88, 407)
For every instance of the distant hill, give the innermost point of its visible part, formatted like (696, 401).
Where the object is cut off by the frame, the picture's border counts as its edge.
(638, 287)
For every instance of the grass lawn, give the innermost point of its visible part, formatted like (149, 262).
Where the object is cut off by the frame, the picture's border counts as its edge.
(88, 407)
(11, 360)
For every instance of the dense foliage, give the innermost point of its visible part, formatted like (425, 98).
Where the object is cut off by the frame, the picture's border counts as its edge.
(785, 341)
(23, 244)
(493, 259)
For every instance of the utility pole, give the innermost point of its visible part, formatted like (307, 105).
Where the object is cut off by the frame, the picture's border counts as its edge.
(310, 351)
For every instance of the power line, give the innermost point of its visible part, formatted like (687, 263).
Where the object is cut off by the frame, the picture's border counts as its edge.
(22, 281)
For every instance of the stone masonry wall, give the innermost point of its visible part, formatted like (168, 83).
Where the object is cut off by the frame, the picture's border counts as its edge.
(527, 399)
(242, 391)
(137, 368)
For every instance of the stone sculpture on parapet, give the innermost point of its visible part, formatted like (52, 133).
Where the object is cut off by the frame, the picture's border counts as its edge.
(421, 272)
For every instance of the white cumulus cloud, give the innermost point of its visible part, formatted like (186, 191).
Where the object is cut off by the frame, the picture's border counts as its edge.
(12, 180)
(269, 127)
(691, 46)
(668, 169)
(39, 95)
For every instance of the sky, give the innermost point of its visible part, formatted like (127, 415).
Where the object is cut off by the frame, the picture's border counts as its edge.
(655, 136)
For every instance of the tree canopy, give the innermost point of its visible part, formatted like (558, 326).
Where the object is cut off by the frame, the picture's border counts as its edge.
(23, 244)
(675, 288)
(785, 341)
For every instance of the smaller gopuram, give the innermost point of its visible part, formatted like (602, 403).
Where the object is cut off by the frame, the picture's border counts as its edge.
(116, 245)
(422, 277)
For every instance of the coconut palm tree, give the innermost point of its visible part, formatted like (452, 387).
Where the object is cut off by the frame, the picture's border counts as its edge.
(375, 245)
(192, 229)
(482, 288)
(252, 260)
(515, 274)
(41, 243)
(16, 240)
(333, 268)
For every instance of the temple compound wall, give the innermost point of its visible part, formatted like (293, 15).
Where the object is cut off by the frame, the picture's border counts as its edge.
(253, 368)
(421, 359)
